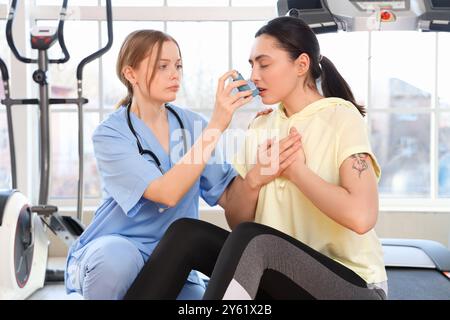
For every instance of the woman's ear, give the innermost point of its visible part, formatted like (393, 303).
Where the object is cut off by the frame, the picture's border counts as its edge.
(302, 64)
(129, 74)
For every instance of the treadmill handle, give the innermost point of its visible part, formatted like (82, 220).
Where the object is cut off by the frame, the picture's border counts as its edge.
(4, 70)
(62, 44)
(9, 38)
(103, 50)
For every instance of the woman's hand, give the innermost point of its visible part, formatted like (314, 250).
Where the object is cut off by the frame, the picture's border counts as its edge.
(273, 158)
(298, 159)
(226, 103)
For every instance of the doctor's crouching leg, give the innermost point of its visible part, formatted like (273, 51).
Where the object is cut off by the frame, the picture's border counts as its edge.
(192, 291)
(105, 269)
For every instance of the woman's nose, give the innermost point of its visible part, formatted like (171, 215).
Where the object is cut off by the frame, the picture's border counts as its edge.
(254, 77)
(175, 74)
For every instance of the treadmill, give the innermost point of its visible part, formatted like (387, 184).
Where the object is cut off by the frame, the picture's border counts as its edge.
(416, 269)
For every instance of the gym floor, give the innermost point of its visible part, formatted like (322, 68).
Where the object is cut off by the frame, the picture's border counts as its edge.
(54, 290)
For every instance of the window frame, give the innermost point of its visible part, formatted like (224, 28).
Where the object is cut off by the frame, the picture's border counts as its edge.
(228, 14)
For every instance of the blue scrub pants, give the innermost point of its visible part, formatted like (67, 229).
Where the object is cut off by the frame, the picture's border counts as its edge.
(108, 266)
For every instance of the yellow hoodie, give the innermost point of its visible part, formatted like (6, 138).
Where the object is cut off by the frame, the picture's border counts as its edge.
(332, 130)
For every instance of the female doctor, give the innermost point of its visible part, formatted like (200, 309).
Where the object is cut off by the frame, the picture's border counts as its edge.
(148, 185)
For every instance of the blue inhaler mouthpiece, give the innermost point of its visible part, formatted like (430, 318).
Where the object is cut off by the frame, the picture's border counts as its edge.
(249, 86)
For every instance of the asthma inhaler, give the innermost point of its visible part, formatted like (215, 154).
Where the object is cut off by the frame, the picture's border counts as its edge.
(246, 87)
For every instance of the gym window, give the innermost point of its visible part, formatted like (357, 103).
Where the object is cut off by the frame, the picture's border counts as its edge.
(400, 82)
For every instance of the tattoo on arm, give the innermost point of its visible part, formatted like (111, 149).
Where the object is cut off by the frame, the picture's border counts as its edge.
(360, 162)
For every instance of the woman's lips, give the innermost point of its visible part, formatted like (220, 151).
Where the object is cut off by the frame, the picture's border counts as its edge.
(262, 91)
(174, 88)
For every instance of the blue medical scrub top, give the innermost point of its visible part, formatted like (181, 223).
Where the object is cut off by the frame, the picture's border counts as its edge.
(126, 174)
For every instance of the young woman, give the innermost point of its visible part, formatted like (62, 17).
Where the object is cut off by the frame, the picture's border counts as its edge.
(152, 174)
(313, 236)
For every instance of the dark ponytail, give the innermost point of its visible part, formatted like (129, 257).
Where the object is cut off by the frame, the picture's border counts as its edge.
(296, 37)
(334, 85)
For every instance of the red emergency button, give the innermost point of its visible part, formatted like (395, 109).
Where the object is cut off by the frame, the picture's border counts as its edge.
(387, 16)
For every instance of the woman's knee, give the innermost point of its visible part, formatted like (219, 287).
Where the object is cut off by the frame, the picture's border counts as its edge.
(182, 225)
(249, 229)
(193, 232)
(252, 229)
(111, 268)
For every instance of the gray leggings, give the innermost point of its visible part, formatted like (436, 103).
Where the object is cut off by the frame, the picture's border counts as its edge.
(284, 260)
(254, 254)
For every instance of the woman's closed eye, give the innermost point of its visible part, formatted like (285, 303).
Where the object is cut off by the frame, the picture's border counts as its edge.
(261, 66)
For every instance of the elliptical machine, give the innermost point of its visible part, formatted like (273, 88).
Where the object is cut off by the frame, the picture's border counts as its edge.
(23, 239)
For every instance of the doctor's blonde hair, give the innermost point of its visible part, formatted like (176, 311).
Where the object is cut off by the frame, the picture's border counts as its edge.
(135, 48)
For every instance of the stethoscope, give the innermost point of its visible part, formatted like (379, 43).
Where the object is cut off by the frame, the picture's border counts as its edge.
(143, 151)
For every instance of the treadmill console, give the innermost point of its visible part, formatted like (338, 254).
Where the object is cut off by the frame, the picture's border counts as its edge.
(365, 5)
(314, 12)
(436, 17)
(369, 15)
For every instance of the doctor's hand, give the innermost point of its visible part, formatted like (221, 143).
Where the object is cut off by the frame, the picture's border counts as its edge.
(298, 160)
(273, 158)
(226, 102)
